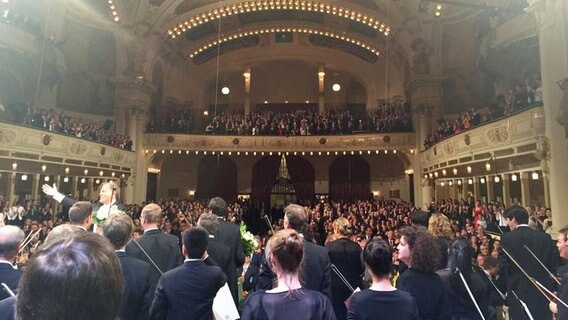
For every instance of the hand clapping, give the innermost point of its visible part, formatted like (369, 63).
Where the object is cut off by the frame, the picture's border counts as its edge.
(49, 190)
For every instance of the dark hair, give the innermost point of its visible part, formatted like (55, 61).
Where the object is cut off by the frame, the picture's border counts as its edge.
(218, 206)
(378, 257)
(209, 222)
(195, 241)
(77, 278)
(118, 230)
(517, 212)
(10, 239)
(564, 232)
(297, 217)
(460, 259)
(287, 247)
(80, 211)
(424, 249)
(490, 262)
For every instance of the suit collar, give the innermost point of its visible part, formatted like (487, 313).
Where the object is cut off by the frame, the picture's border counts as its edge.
(151, 231)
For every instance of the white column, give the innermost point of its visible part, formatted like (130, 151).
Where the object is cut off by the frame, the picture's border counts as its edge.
(525, 189)
(247, 76)
(506, 190)
(321, 89)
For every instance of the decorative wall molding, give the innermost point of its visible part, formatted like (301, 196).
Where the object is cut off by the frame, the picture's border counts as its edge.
(363, 142)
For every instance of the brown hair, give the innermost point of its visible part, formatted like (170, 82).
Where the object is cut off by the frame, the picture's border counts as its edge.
(118, 230)
(297, 217)
(287, 247)
(424, 249)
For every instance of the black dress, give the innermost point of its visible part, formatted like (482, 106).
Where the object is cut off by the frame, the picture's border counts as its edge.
(370, 304)
(428, 291)
(301, 304)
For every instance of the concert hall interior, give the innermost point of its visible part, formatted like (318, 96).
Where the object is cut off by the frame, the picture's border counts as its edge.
(367, 110)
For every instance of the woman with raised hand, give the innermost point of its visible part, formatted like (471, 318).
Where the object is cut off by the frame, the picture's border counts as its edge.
(381, 300)
(288, 300)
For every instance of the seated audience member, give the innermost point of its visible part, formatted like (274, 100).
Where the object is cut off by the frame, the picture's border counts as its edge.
(10, 239)
(381, 300)
(460, 301)
(420, 252)
(187, 292)
(137, 297)
(75, 278)
(288, 300)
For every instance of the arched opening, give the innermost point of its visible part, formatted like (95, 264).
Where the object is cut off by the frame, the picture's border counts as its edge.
(349, 179)
(264, 177)
(217, 177)
(302, 176)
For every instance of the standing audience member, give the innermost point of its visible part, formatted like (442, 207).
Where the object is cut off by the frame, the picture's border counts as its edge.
(218, 253)
(187, 292)
(541, 245)
(11, 238)
(345, 255)
(229, 234)
(440, 227)
(289, 299)
(316, 268)
(163, 249)
(137, 297)
(461, 304)
(420, 252)
(74, 278)
(80, 214)
(381, 300)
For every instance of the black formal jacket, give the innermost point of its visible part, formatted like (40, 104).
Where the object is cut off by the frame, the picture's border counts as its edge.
(543, 247)
(8, 308)
(9, 276)
(187, 292)
(228, 233)
(316, 270)
(220, 254)
(162, 248)
(137, 297)
(563, 293)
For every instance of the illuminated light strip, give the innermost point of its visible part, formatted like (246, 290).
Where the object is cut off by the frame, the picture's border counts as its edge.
(253, 32)
(113, 11)
(266, 5)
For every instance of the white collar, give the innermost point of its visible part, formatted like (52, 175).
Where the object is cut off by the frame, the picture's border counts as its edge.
(150, 229)
(120, 250)
(522, 225)
(191, 260)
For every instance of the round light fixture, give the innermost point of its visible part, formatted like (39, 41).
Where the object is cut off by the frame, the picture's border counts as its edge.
(225, 90)
(336, 87)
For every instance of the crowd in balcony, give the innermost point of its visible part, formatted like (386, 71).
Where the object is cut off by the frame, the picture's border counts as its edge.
(389, 117)
(174, 121)
(59, 122)
(515, 99)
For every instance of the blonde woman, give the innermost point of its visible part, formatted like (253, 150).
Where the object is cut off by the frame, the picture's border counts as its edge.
(440, 227)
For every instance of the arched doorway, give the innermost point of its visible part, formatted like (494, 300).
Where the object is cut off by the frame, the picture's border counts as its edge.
(217, 177)
(349, 179)
(302, 176)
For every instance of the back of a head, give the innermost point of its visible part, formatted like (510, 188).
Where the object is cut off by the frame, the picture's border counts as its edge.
(195, 241)
(77, 278)
(461, 255)
(517, 212)
(118, 230)
(439, 226)
(424, 249)
(209, 222)
(342, 226)
(297, 217)
(377, 256)
(79, 212)
(10, 239)
(62, 232)
(151, 214)
(218, 206)
(287, 247)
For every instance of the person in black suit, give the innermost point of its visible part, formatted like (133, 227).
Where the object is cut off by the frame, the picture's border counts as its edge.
(541, 245)
(10, 239)
(8, 308)
(106, 206)
(316, 268)
(187, 292)
(229, 234)
(137, 297)
(562, 244)
(218, 253)
(346, 256)
(163, 249)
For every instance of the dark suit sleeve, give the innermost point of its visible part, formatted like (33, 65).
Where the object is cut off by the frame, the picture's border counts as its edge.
(265, 277)
(326, 281)
(148, 297)
(159, 309)
(352, 311)
(68, 202)
(239, 253)
(179, 259)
